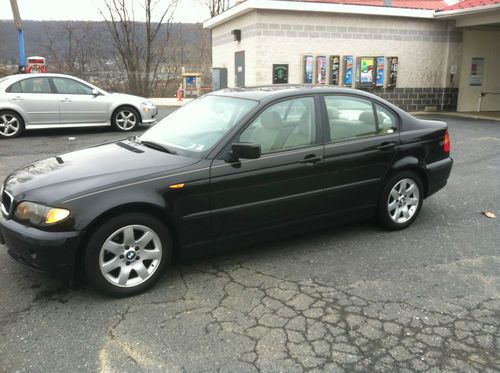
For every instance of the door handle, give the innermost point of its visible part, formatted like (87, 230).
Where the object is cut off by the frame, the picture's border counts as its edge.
(311, 159)
(66, 100)
(17, 98)
(386, 146)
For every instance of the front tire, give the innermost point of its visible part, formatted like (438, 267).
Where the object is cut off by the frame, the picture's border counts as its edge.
(127, 254)
(125, 119)
(11, 124)
(401, 201)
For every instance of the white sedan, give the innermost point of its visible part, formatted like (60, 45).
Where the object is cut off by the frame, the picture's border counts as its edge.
(37, 101)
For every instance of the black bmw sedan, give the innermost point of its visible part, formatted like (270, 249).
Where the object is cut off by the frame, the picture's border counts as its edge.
(233, 167)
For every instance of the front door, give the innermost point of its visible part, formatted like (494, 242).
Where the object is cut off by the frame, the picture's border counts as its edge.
(239, 69)
(78, 105)
(364, 139)
(283, 185)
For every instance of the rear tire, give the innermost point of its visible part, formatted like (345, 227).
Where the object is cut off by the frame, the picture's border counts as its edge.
(11, 124)
(401, 201)
(127, 254)
(125, 119)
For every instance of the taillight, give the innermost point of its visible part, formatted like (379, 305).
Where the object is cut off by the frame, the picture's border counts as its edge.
(447, 144)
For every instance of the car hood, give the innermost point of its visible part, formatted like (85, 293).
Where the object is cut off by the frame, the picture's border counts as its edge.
(127, 98)
(90, 170)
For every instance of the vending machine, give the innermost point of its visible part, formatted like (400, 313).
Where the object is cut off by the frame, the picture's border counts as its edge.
(393, 64)
(334, 70)
(36, 64)
(348, 70)
(321, 77)
(308, 69)
(380, 71)
(366, 72)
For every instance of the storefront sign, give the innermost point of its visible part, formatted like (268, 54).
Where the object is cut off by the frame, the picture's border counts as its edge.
(308, 69)
(280, 74)
(476, 71)
(348, 70)
(321, 70)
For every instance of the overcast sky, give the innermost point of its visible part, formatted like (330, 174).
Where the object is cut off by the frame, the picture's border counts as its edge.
(88, 10)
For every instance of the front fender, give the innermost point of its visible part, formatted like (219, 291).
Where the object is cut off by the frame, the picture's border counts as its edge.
(16, 108)
(92, 208)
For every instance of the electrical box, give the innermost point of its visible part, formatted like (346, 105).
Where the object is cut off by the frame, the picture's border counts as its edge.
(219, 78)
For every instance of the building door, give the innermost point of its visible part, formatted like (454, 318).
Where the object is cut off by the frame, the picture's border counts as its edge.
(239, 69)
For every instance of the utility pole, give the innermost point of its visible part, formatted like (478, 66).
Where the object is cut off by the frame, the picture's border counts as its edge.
(20, 36)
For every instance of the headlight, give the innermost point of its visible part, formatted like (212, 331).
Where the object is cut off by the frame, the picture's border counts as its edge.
(147, 106)
(40, 215)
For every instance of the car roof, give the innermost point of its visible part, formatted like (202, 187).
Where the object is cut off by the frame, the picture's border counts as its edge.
(17, 77)
(272, 92)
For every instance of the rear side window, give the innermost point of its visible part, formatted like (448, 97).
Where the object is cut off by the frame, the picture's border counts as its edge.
(35, 85)
(387, 120)
(350, 117)
(14, 88)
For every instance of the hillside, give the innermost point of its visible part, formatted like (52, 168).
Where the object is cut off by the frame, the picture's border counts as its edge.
(51, 38)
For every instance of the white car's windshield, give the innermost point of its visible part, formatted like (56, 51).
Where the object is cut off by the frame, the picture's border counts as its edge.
(200, 125)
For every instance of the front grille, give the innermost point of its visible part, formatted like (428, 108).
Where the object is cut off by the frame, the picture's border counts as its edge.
(7, 202)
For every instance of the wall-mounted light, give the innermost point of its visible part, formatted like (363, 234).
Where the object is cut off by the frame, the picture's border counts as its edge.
(236, 34)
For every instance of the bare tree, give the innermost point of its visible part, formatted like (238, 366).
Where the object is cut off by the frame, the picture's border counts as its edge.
(140, 46)
(215, 7)
(67, 59)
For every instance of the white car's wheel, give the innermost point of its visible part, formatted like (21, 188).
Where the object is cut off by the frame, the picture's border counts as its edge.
(11, 124)
(125, 119)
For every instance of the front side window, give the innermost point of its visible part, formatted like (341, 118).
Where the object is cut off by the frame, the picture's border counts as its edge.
(286, 125)
(71, 87)
(350, 117)
(199, 125)
(35, 85)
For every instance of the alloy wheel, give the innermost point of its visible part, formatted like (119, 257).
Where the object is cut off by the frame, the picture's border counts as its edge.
(126, 120)
(403, 201)
(130, 256)
(9, 125)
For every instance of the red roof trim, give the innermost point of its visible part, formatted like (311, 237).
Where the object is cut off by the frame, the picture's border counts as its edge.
(466, 4)
(412, 4)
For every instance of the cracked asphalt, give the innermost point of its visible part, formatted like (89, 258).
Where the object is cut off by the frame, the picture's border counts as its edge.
(351, 298)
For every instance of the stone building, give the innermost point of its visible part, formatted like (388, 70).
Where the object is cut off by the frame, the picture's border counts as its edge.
(418, 54)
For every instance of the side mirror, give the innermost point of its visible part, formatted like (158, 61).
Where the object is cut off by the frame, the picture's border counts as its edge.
(245, 150)
(95, 92)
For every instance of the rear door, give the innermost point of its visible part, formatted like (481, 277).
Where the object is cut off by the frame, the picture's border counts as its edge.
(362, 140)
(36, 98)
(78, 105)
(284, 184)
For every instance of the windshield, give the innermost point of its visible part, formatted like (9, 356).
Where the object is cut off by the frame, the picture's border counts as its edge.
(200, 125)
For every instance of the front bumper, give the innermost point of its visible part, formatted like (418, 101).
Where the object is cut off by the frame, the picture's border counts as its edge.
(149, 116)
(438, 174)
(53, 253)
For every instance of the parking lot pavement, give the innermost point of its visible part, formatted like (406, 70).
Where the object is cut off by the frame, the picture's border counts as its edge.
(353, 298)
